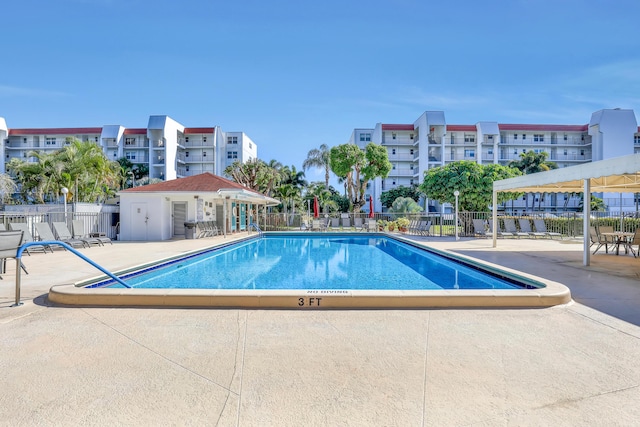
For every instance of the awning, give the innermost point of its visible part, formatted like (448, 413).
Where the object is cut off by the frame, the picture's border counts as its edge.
(615, 175)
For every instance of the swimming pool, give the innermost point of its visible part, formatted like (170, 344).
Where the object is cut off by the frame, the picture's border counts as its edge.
(319, 270)
(326, 262)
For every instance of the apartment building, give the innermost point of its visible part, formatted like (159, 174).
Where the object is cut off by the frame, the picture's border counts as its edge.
(430, 142)
(167, 147)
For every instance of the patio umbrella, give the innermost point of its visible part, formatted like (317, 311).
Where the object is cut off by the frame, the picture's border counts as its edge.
(316, 208)
(370, 207)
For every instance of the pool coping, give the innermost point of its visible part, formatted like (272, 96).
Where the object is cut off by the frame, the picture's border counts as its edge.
(552, 294)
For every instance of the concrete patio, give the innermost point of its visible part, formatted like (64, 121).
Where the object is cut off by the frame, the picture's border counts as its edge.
(576, 364)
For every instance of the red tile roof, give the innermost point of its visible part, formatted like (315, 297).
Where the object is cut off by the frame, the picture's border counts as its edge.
(397, 127)
(199, 130)
(552, 128)
(134, 131)
(55, 131)
(461, 128)
(205, 182)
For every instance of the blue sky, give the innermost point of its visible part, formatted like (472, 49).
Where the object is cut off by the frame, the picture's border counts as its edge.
(297, 74)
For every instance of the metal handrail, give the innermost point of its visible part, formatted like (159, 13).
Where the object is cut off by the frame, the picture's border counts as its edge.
(22, 248)
(257, 227)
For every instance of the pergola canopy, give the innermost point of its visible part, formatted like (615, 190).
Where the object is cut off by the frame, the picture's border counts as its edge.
(616, 175)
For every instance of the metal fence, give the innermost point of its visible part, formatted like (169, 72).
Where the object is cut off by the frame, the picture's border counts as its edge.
(106, 223)
(569, 224)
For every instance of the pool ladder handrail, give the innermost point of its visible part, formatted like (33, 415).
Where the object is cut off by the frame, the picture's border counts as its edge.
(22, 248)
(257, 227)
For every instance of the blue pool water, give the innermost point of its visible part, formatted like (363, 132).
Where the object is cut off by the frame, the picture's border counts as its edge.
(354, 262)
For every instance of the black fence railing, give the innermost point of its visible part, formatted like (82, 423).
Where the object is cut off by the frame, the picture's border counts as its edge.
(568, 224)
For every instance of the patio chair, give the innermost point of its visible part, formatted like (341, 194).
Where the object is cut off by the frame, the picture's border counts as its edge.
(316, 225)
(335, 223)
(424, 228)
(597, 239)
(28, 237)
(45, 233)
(499, 231)
(635, 241)
(510, 227)
(64, 235)
(79, 233)
(63, 232)
(372, 225)
(541, 227)
(525, 227)
(358, 224)
(10, 241)
(479, 227)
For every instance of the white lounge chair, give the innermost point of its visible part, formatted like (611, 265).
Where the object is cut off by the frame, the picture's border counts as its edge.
(510, 227)
(525, 227)
(79, 233)
(10, 241)
(28, 237)
(541, 227)
(64, 235)
(480, 227)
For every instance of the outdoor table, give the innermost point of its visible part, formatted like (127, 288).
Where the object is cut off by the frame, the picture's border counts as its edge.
(620, 238)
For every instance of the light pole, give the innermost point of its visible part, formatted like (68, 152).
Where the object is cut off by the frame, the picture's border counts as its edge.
(65, 190)
(455, 220)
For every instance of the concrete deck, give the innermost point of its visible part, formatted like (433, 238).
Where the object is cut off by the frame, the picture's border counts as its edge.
(575, 364)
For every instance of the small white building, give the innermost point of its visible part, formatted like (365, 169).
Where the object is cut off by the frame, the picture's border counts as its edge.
(159, 211)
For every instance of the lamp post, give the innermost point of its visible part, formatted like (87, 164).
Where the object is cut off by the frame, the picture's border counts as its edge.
(65, 191)
(455, 220)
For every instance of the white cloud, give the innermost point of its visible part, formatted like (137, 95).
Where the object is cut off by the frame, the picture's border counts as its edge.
(31, 92)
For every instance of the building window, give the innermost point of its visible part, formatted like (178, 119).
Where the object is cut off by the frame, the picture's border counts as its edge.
(490, 137)
(232, 155)
(565, 151)
(524, 136)
(186, 154)
(582, 152)
(524, 150)
(515, 136)
(469, 153)
(411, 136)
(394, 167)
(538, 138)
(204, 154)
(515, 151)
(411, 151)
(565, 136)
(232, 140)
(129, 156)
(204, 139)
(24, 140)
(393, 136)
(50, 141)
(365, 137)
(393, 151)
(186, 139)
(636, 139)
(250, 145)
(469, 138)
(411, 167)
(129, 141)
(490, 152)
(187, 168)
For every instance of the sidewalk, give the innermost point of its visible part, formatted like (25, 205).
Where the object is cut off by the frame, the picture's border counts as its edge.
(576, 364)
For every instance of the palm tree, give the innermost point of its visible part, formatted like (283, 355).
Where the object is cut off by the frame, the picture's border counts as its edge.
(319, 158)
(532, 162)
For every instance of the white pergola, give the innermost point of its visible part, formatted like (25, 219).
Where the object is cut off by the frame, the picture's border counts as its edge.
(616, 175)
